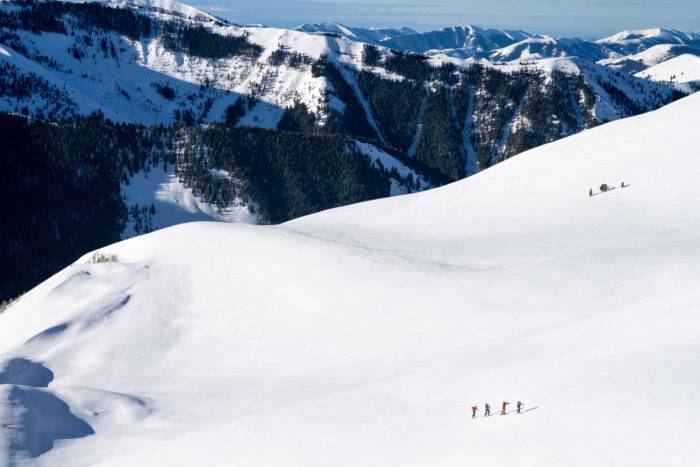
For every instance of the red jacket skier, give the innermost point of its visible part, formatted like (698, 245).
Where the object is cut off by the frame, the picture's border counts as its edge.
(474, 409)
(503, 408)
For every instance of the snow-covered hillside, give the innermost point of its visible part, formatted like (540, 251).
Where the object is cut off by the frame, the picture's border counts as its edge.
(635, 41)
(85, 69)
(598, 77)
(682, 69)
(369, 35)
(652, 56)
(474, 38)
(122, 77)
(628, 51)
(361, 335)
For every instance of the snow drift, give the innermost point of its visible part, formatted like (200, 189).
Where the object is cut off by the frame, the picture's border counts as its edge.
(361, 335)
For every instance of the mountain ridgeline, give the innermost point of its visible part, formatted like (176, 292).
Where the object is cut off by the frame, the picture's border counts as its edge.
(239, 126)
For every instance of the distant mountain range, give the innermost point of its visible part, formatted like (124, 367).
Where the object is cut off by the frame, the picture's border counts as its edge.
(631, 51)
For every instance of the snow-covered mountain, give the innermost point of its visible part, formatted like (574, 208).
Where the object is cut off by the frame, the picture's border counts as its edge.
(202, 119)
(468, 37)
(362, 335)
(628, 51)
(177, 90)
(635, 41)
(531, 48)
(652, 56)
(369, 35)
(684, 70)
(78, 66)
(124, 77)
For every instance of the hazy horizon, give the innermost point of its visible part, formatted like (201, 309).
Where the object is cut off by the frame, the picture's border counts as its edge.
(560, 18)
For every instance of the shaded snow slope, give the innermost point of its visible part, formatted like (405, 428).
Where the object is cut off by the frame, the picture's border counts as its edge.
(361, 335)
(174, 203)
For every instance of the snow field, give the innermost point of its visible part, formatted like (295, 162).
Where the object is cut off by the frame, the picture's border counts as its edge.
(362, 335)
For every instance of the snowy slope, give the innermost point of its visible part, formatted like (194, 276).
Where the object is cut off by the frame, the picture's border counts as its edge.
(531, 48)
(474, 38)
(174, 203)
(123, 85)
(629, 51)
(637, 89)
(650, 57)
(635, 41)
(370, 35)
(682, 69)
(359, 336)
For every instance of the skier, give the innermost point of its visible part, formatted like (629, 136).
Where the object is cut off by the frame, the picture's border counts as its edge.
(487, 410)
(474, 409)
(623, 184)
(520, 406)
(503, 408)
(590, 192)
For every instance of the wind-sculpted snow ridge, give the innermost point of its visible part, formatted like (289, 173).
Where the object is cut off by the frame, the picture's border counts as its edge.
(361, 335)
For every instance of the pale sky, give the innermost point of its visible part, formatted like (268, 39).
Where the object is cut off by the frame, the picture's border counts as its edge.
(560, 18)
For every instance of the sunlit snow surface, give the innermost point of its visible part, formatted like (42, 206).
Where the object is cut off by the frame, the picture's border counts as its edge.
(682, 69)
(360, 336)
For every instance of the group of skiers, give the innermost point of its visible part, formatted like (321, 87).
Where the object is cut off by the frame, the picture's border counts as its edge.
(605, 188)
(487, 408)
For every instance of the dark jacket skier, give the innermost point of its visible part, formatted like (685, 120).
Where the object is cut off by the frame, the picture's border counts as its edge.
(520, 406)
(474, 409)
(590, 192)
(503, 408)
(487, 410)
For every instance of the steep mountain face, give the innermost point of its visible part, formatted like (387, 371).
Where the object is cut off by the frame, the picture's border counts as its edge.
(361, 336)
(317, 121)
(368, 35)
